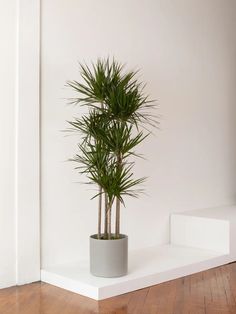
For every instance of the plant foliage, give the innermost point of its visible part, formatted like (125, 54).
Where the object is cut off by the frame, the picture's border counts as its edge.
(117, 112)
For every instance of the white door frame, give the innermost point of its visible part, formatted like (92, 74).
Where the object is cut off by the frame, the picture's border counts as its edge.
(27, 166)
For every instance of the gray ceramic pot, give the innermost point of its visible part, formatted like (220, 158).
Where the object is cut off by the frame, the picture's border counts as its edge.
(109, 258)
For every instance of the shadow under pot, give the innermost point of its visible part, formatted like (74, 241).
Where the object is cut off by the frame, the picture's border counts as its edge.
(109, 258)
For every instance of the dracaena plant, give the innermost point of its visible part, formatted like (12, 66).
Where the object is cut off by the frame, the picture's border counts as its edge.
(116, 122)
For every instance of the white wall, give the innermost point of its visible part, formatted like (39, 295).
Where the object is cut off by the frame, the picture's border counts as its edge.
(27, 142)
(7, 130)
(19, 140)
(186, 50)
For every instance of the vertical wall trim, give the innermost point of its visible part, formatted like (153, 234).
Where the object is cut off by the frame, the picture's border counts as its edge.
(16, 135)
(28, 142)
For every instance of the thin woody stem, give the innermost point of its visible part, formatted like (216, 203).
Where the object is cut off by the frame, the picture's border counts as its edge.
(117, 231)
(105, 216)
(100, 212)
(109, 221)
(117, 227)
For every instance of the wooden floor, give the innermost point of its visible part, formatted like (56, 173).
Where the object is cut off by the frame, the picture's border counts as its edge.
(209, 292)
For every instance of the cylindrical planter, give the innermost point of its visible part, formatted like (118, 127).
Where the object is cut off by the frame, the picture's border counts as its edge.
(109, 258)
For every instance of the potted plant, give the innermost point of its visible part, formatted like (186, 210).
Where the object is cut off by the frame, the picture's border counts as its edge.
(110, 132)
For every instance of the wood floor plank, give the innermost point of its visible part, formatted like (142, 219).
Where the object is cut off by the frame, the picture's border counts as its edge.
(208, 292)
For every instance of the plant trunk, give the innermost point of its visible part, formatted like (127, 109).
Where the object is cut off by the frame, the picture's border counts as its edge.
(117, 231)
(117, 228)
(109, 220)
(105, 216)
(100, 213)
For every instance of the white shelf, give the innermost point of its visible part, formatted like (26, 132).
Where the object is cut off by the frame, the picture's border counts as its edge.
(210, 228)
(200, 232)
(146, 267)
(200, 240)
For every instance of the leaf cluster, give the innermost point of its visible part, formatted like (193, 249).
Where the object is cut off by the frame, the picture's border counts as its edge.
(110, 131)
